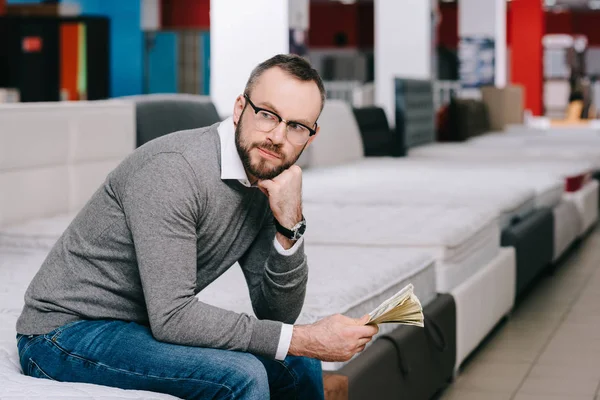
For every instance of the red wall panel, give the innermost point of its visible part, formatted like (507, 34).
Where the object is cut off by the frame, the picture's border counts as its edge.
(588, 24)
(185, 14)
(527, 30)
(448, 27)
(561, 22)
(2, 7)
(575, 22)
(69, 58)
(330, 18)
(366, 25)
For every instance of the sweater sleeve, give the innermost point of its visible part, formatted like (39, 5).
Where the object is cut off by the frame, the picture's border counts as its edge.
(277, 280)
(161, 204)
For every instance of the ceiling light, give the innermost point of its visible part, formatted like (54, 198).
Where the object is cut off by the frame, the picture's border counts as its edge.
(594, 4)
(550, 3)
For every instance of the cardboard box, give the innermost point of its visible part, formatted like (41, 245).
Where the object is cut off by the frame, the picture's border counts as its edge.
(505, 105)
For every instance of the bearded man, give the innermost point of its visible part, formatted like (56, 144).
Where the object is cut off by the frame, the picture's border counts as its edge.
(114, 302)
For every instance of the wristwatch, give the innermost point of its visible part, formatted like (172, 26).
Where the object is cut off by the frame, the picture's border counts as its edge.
(293, 234)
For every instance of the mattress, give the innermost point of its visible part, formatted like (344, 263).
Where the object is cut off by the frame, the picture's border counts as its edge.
(482, 301)
(17, 269)
(544, 147)
(524, 164)
(463, 239)
(417, 188)
(567, 227)
(347, 280)
(586, 202)
(41, 233)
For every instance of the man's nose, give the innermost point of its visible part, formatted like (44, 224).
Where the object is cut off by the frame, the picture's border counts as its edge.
(278, 135)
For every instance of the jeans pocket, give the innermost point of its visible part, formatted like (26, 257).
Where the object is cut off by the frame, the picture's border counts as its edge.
(55, 334)
(35, 371)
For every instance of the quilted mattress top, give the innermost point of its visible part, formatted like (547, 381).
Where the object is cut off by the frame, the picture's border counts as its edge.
(342, 279)
(532, 160)
(17, 269)
(413, 225)
(389, 182)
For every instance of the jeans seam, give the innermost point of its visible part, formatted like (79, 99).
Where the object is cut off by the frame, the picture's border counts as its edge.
(119, 370)
(294, 378)
(33, 364)
(30, 343)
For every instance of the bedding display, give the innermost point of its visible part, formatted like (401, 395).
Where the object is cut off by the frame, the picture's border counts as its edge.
(470, 225)
(371, 275)
(463, 239)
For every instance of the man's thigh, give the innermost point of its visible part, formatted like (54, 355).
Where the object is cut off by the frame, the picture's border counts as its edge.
(126, 355)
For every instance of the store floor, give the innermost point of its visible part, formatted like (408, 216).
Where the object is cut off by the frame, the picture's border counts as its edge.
(550, 346)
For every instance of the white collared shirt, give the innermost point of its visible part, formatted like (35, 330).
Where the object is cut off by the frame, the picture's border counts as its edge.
(232, 168)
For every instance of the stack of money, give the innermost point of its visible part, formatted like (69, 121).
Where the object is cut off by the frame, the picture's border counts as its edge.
(402, 308)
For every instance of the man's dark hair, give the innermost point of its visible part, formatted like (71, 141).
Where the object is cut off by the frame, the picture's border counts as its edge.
(294, 65)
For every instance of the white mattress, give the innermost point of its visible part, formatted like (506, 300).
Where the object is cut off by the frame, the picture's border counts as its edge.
(347, 280)
(17, 268)
(586, 202)
(507, 158)
(549, 147)
(463, 239)
(482, 301)
(388, 182)
(567, 227)
(40, 234)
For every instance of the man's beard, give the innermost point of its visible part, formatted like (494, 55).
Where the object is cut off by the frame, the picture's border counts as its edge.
(261, 170)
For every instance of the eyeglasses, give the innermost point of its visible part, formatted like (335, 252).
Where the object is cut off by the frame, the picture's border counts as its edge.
(266, 121)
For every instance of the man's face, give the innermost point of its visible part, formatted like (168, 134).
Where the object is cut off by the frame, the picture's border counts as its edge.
(266, 154)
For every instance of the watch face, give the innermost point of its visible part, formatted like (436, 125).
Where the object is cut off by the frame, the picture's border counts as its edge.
(299, 230)
(302, 228)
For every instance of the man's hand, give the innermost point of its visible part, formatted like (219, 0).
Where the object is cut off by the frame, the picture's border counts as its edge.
(285, 199)
(335, 338)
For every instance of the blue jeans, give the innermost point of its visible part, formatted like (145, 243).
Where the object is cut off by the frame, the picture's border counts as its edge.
(126, 355)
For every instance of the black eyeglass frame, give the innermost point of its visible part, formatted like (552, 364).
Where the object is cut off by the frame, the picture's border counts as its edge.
(256, 109)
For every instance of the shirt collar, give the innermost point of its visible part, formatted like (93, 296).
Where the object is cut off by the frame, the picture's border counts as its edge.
(231, 164)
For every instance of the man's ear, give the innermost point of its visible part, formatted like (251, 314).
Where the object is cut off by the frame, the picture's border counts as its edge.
(238, 107)
(313, 137)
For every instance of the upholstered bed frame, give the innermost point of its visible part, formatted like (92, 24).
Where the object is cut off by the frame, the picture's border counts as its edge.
(408, 363)
(161, 114)
(53, 156)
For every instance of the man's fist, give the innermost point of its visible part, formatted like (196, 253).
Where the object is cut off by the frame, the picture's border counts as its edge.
(335, 338)
(285, 196)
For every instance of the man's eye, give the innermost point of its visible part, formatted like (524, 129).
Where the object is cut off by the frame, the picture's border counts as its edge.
(266, 115)
(295, 127)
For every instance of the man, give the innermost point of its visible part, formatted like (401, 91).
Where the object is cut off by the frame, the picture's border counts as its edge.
(114, 303)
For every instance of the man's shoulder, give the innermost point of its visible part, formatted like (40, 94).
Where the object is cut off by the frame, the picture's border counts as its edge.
(200, 139)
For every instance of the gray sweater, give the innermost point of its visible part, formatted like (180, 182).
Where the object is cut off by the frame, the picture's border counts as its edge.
(160, 229)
